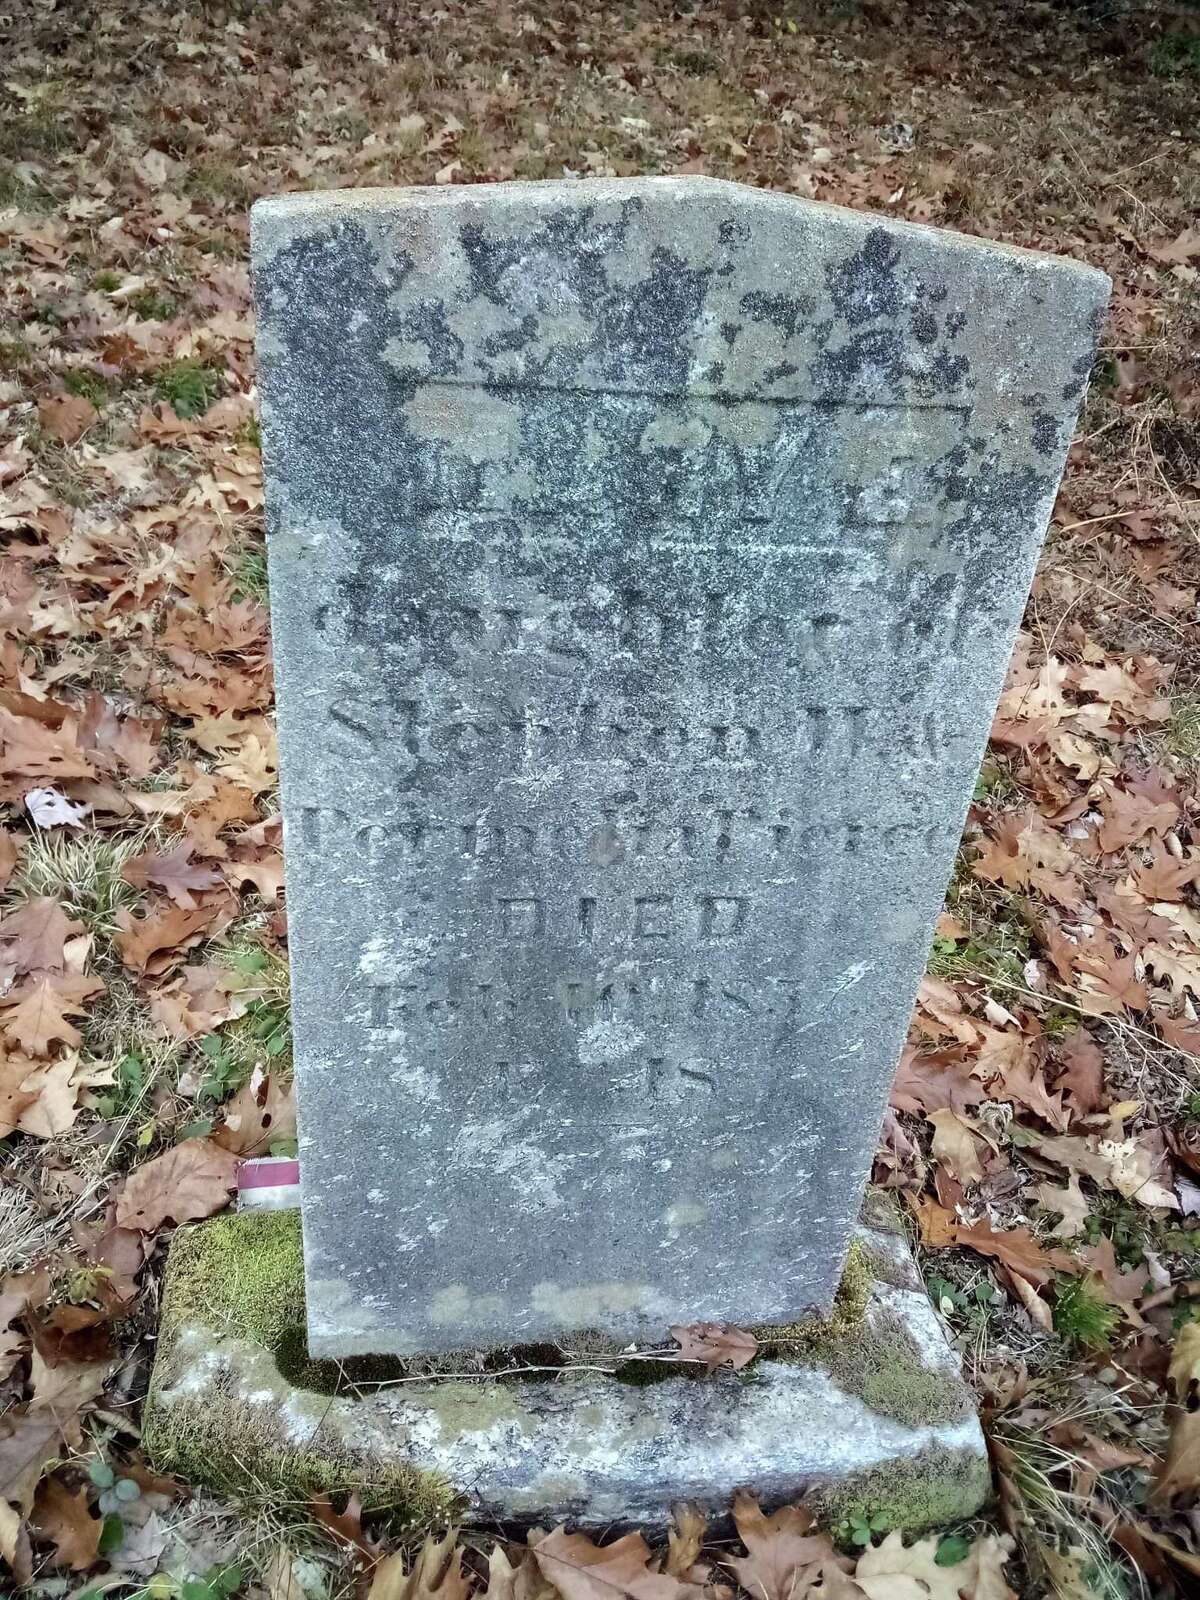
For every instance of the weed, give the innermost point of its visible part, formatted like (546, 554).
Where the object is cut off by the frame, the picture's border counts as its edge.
(60, 469)
(262, 1036)
(83, 874)
(1040, 1474)
(1104, 373)
(128, 1087)
(1082, 1316)
(994, 784)
(189, 387)
(106, 280)
(1183, 731)
(89, 385)
(997, 949)
(15, 355)
(1175, 54)
(861, 1530)
(25, 1234)
(216, 180)
(250, 433)
(153, 305)
(23, 195)
(250, 571)
(1059, 1023)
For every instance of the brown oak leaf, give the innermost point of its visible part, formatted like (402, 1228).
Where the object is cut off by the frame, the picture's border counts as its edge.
(1082, 1075)
(1018, 1250)
(29, 749)
(32, 937)
(943, 1080)
(191, 1181)
(66, 417)
(1179, 1479)
(39, 1020)
(581, 1570)
(1164, 876)
(174, 871)
(156, 942)
(262, 1111)
(1128, 817)
(10, 850)
(716, 1344)
(783, 1556)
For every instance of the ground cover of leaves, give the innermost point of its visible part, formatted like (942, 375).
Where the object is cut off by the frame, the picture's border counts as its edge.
(1045, 1133)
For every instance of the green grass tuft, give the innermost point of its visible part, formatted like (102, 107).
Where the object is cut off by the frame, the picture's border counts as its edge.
(189, 387)
(1183, 731)
(1176, 55)
(1082, 1316)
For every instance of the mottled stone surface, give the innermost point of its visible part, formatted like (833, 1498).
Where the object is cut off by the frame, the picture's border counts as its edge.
(892, 1434)
(645, 558)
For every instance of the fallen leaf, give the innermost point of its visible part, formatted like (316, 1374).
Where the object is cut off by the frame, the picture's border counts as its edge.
(782, 1555)
(64, 1519)
(173, 871)
(716, 1344)
(893, 1571)
(1017, 1249)
(66, 417)
(15, 1548)
(33, 936)
(685, 1540)
(15, 1098)
(55, 1104)
(1070, 1203)
(1082, 1076)
(157, 941)
(928, 1083)
(10, 850)
(27, 1443)
(581, 1570)
(436, 1574)
(39, 1020)
(954, 1146)
(1164, 876)
(141, 1550)
(261, 1112)
(191, 1181)
(49, 809)
(279, 1578)
(1179, 1478)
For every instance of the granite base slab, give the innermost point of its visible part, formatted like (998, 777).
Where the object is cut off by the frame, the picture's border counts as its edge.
(866, 1415)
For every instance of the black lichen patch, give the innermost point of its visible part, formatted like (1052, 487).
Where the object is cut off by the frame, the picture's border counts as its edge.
(867, 285)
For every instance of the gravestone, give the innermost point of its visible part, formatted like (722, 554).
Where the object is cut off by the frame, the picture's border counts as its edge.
(645, 559)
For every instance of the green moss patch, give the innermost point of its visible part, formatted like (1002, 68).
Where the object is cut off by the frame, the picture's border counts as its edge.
(240, 1278)
(928, 1491)
(870, 1356)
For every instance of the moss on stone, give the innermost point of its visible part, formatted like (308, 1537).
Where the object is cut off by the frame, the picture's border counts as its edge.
(241, 1277)
(929, 1490)
(870, 1356)
(222, 1446)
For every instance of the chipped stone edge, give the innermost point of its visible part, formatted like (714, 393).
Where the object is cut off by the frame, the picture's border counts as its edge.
(591, 1449)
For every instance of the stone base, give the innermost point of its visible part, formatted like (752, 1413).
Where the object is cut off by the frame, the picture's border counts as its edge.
(866, 1414)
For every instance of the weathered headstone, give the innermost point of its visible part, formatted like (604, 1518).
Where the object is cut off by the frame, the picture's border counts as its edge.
(645, 559)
